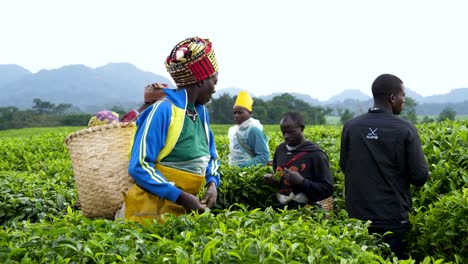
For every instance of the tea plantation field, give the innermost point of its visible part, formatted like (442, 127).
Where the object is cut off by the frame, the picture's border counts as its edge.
(40, 225)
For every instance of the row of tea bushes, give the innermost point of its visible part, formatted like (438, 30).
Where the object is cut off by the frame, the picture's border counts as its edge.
(37, 188)
(35, 176)
(228, 236)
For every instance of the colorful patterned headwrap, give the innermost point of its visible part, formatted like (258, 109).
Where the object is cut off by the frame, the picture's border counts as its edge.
(191, 61)
(103, 117)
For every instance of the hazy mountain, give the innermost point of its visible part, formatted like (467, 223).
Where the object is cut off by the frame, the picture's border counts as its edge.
(121, 84)
(10, 73)
(454, 96)
(348, 94)
(414, 95)
(84, 87)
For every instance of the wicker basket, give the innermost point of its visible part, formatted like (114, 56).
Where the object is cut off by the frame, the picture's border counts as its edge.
(100, 157)
(327, 204)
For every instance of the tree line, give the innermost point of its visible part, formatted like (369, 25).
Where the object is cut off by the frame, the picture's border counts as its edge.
(408, 113)
(47, 114)
(268, 112)
(42, 114)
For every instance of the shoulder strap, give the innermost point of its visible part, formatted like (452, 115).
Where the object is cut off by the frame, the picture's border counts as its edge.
(293, 159)
(244, 145)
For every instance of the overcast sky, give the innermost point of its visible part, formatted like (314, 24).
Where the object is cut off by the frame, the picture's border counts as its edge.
(314, 47)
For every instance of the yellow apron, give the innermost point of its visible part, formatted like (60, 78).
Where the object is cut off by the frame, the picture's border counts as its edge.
(141, 205)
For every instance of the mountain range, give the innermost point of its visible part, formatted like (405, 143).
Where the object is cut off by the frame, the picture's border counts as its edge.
(454, 96)
(87, 88)
(121, 84)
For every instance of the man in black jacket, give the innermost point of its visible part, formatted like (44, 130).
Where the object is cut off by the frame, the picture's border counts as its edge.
(380, 157)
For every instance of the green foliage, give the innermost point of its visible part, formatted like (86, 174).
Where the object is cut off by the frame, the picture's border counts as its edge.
(33, 196)
(447, 114)
(246, 187)
(28, 132)
(36, 188)
(42, 114)
(444, 145)
(427, 119)
(230, 236)
(409, 110)
(345, 115)
(268, 112)
(221, 109)
(35, 177)
(441, 230)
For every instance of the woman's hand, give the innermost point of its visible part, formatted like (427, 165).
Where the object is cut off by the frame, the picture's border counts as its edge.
(190, 202)
(211, 194)
(293, 177)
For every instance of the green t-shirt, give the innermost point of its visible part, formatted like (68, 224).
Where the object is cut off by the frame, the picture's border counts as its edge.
(192, 142)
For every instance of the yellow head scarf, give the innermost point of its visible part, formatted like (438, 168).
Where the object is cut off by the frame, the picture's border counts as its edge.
(245, 100)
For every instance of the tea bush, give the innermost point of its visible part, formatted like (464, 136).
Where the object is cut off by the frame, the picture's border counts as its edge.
(237, 236)
(444, 145)
(38, 226)
(441, 231)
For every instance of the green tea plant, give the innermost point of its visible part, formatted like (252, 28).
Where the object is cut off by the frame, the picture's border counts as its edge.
(444, 145)
(244, 186)
(38, 226)
(441, 231)
(230, 236)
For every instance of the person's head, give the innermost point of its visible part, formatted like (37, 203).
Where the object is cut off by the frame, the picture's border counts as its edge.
(193, 66)
(292, 127)
(242, 109)
(389, 92)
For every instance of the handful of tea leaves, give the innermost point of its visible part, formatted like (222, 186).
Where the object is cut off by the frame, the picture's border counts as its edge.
(277, 175)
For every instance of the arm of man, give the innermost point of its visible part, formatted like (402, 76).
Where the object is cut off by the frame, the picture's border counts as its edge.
(321, 186)
(149, 139)
(415, 161)
(258, 143)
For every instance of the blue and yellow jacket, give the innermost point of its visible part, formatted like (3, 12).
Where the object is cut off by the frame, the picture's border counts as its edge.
(158, 129)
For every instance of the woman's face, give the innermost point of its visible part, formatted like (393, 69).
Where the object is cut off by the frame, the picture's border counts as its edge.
(207, 89)
(240, 114)
(293, 134)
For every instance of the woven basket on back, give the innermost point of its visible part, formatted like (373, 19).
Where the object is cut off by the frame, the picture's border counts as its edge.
(100, 157)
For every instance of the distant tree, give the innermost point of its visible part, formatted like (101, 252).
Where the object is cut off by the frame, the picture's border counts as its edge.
(285, 102)
(260, 110)
(345, 115)
(220, 109)
(427, 119)
(118, 109)
(74, 119)
(6, 116)
(409, 110)
(268, 112)
(447, 113)
(43, 107)
(61, 109)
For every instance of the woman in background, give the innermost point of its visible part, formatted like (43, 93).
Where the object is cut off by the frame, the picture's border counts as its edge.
(248, 145)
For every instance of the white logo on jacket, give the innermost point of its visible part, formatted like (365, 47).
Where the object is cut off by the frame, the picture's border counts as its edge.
(372, 134)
